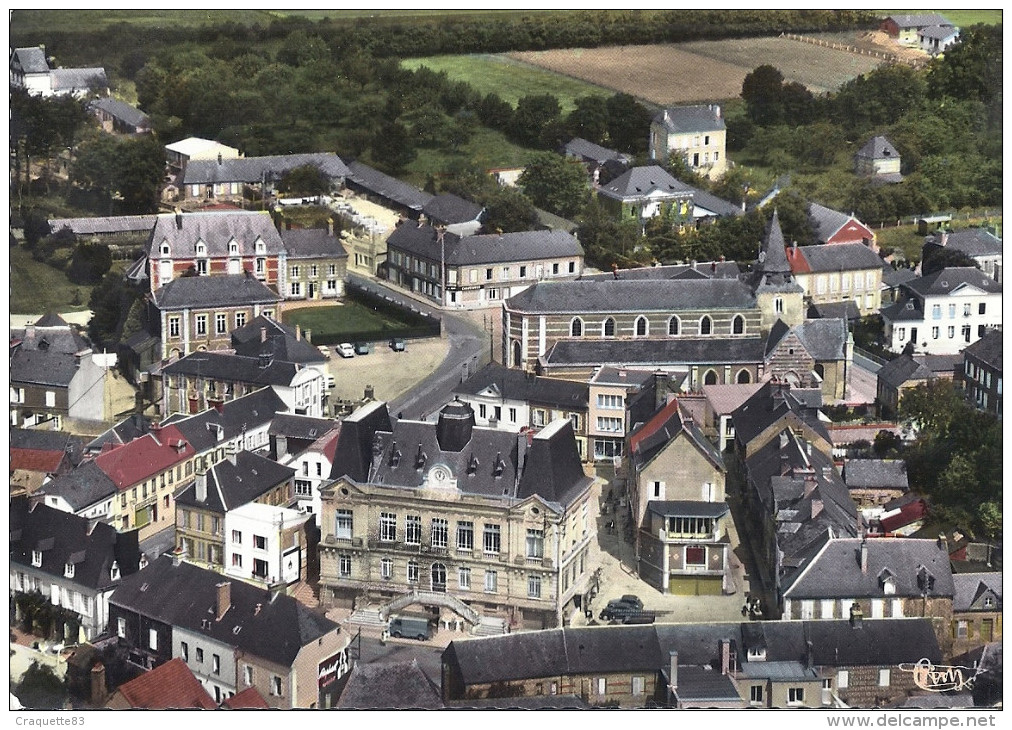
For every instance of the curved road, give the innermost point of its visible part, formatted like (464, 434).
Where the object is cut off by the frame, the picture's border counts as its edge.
(467, 352)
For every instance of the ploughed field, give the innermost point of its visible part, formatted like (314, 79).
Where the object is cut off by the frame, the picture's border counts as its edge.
(697, 71)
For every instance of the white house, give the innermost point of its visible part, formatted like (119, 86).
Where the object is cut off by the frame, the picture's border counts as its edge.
(268, 539)
(936, 38)
(306, 445)
(943, 313)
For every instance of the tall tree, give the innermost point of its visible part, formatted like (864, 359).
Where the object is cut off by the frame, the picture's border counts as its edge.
(534, 114)
(507, 210)
(762, 91)
(589, 119)
(628, 124)
(393, 148)
(553, 183)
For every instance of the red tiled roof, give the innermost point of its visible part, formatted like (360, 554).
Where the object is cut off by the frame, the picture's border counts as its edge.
(248, 699)
(170, 686)
(36, 460)
(654, 424)
(910, 512)
(330, 447)
(796, 258)
(144, 457)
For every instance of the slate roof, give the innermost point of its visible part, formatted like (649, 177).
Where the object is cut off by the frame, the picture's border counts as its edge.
(121, 110)
(706, 270)
(642, 182)
(66, 538)
(835, 310)
(55, 443)
(78, 78)
(826, 221)
(947, 280)
(987, 349)
(825, 339)
(971, 241)
(941, 32)
(615, 649)
(247, 412)
(971, 587)
(388, 187)
(394, 686)
(312, 243)
(895, 277)
(32, 59)
(489, 462)
(718, 206)
(253, 169)
(448, 209)
(579, 147)
(908, 310)
(233, 485)
(170, 686)
(875, 473)
(629, 295)
(216, 229)
(689, 119)
(656, 353)
(234, 368)
(687, 508)
(302, 427)
(918, 567)
(109, 224)
(49, 337)
(131, 427)
(41, 367)
(82, 487)
(878, 147)
(837, 257)
(768, 405)
(230, 290)
(282, 342)
(901, 370)
(511, 384)
(724, 398)
(700, 684)
(909, 20)
(772, 270)
(185, 596)
(490, 248)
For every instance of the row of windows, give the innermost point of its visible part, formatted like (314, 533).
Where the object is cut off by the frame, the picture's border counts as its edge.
(314, 270)
(827, 608)
(200, 324)
(641, 327)
(936, 310)
(200, 248)
(439, 533)
(295, 287)
(843, 283)
(438, 575)
(507, 273)
(965, 332)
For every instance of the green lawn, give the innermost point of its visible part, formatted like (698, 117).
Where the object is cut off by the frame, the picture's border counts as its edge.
(508, 78)
(331, 324)
(37, 288)
(487, 148)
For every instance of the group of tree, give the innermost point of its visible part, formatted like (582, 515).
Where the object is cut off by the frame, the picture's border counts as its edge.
(957, 457)
(945, 121)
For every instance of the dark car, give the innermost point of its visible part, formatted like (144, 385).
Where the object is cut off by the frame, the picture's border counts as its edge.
(362, 348)
(621, 608)
(397, 344)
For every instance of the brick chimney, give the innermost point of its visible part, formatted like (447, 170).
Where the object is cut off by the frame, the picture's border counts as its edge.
(98, 689)
(223, 599)
(725, 656)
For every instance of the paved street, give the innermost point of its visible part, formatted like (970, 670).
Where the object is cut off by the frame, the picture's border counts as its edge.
(862, 384)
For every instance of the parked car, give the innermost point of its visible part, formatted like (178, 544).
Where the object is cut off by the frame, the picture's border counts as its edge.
(362, 348)
(398, 344)
(410, 626)
(345, 350)
(324, 350)
(621, 608)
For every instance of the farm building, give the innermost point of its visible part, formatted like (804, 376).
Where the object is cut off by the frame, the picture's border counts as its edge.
(906, 27)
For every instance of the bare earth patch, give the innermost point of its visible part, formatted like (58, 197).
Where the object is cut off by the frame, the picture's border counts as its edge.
(702, 70)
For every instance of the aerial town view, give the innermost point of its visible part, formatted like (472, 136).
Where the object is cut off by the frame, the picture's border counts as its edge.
(506, 360)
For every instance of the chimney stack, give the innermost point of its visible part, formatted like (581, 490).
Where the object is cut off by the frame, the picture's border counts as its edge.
(98, 689)
(725, 656)
(298, 332)
(308, 334)
(673, 671)
(263, 334)
(219, 158)
(232, 451)
(224, 599)
(864, 555)
(856, 615)
(179, 220)
(200, 484)
(943, 542)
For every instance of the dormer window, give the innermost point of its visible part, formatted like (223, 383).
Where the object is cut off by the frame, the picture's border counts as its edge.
(68, 570)
(260, 246)
(37, 558)
(165, 249)
(201, 248)
(988, 601)
(233, 248)
(756, 654)
(114, 573)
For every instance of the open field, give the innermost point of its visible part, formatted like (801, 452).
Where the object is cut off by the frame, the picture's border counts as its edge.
(38, 287)
(962, 18)
(508, 77)
(701, 70)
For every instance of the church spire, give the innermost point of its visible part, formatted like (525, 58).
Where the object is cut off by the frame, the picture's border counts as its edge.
(773, 258)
